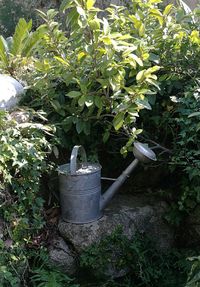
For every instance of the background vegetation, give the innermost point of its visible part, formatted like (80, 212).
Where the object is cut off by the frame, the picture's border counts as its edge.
(113, 77)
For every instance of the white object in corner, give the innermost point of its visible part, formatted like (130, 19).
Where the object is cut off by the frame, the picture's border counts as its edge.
(10, 90)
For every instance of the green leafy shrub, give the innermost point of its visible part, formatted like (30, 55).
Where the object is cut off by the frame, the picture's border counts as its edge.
(194, 275)
(139, 257)
(97, 78)
(16, 52)
(24, 149)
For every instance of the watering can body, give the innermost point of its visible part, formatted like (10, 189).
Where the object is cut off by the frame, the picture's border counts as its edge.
(80, 190)
(80, 185)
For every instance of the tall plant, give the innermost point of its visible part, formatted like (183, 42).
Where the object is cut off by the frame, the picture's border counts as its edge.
(100, 74)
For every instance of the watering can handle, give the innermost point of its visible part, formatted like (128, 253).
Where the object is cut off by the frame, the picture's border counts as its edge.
(73, 158)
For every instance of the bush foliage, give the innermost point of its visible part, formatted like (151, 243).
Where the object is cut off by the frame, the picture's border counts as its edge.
(129, 72)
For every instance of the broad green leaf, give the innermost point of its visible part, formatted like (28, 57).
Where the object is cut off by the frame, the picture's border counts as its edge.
(86, 128)
(106, 136)
(136, 58)
(62, 61)
(104, 83)
(51, 13)
(81, 55)
(128, 51)
(140, 76)
(30, 43)
(142, 30)
(118, 121)
(168, 9)
(81, 101)
(79, 126)
(90, 4)
(94, 24)
(152, 70)
(131, 90)
(73, 94)
(152, 82)
(98, 102)
(66, 4)
(21, 32)
(107, 40)
(58, 108)
(195, 114)
(143, 104)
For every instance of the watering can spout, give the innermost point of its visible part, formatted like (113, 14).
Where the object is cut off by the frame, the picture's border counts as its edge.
(142, 153)
(80, 184)
(108, 195)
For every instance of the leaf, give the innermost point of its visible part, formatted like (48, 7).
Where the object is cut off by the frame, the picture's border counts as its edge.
(118, 121)
(107, 40)
(66, 4)
(157, 14)
(128, 51)
(136, 58)
(90, 4)
(152, 70)
(154, 83)
(81, 101)
(106, 28)
(106, 136)
(143, 104)
(74, 94)
(62, 61)
(89, 101)
(98, 102)
(142, 30)
(3, 54)
(81, 12)
(81, 55)
(140, 76)
(94, 24)
(168, 9)
(21, 32)
(30, 43)
(86, 128)
(195, 114)
(79, 126)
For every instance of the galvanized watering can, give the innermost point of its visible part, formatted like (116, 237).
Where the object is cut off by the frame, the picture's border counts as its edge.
(80, 185)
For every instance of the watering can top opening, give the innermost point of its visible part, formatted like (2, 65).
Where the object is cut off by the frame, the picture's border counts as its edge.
(143, 153)
(82, 169)
(75, 168)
